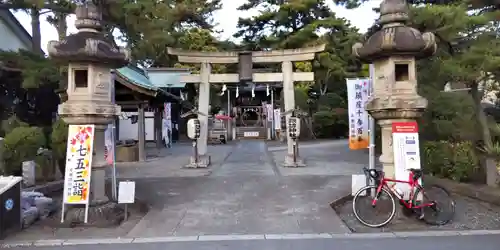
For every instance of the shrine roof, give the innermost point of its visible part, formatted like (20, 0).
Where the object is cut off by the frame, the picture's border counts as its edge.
(136, 76)
(167, 77)
(140, 81)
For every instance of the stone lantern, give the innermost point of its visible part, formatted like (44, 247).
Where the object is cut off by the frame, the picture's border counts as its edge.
(90, 57)
(393, 50)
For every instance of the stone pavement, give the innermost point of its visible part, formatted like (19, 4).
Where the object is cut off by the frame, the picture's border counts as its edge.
(169, 162)
(249, 193)
(244, 191)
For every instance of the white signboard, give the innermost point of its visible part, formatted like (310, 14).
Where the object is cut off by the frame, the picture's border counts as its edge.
(358, 91)
(277, 119)
(126, 192)
(251, 134)
(406, 152)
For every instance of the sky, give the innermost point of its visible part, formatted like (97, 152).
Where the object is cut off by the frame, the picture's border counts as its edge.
(227, 17)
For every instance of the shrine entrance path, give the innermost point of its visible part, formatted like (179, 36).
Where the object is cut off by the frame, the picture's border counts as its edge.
(247, 191)
(247, 158)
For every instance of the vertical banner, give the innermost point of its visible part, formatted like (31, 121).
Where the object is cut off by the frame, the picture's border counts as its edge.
(406, 150)
(109, 133)
(109, 144)
(269, 112)
(277, 119)
(78, 164)
(167, 111)
(358, 91)
(167, 123)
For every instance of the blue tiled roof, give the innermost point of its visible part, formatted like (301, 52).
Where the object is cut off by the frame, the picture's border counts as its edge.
(141, 78)
(166, 79)
(153, 80)
(136, 76)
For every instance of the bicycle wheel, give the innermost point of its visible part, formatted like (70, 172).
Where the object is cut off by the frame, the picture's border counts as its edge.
(381, 214)
(443, 209)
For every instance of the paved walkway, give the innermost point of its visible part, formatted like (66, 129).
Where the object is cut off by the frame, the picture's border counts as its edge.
(247, 158)
(245, 191)
(248, 193)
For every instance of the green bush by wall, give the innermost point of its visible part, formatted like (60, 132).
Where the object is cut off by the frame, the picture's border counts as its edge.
(457, 161)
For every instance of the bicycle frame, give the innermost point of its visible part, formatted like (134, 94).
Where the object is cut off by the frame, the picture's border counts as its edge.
(413, 185)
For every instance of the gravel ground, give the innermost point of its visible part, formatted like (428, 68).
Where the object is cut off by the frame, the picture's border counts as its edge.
(470, 214)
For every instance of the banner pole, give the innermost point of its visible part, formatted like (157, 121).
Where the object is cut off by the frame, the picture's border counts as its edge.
(371, 150)
(114, 187)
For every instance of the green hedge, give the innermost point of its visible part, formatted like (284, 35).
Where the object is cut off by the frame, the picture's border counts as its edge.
(21, 144)
(456, 161)
(328, 124)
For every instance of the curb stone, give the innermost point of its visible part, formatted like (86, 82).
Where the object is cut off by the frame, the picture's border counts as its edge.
(204, 238)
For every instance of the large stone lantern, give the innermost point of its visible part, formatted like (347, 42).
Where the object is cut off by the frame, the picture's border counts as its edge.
(393, 50)
(90, 57)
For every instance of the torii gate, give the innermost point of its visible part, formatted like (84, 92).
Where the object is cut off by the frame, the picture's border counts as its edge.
(245, 61)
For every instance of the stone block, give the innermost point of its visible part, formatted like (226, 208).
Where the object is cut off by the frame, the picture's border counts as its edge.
(29, 173)
(127, 153)
(291, 163)
(29, 216)
(203, 162)
(45, 206)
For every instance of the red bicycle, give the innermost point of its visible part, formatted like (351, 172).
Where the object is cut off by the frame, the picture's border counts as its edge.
(418, 202)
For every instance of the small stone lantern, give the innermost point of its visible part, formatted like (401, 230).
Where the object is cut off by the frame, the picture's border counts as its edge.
(393, 50)
(90, 56)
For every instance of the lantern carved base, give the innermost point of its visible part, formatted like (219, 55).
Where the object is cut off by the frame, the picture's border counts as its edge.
(203, 162)
(107, 214)
(290, 163)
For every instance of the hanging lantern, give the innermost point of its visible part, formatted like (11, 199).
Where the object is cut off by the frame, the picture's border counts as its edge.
(253, 91)
(267, 90)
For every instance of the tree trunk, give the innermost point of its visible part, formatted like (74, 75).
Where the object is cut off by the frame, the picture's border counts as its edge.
(62, 29)
(61, 25)
(489, 166)
(36, 45)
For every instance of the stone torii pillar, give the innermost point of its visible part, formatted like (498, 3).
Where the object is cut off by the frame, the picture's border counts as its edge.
(393, 50)
(205, 78)
(289, 100)
(203, 108)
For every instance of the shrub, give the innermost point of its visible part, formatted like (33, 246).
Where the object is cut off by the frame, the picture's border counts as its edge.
(457, 161)
(330, 101)
(59, 138)
(12, 123)
(21, 144)
(449, 116)
(58, 143)
(330, 124)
